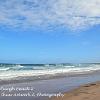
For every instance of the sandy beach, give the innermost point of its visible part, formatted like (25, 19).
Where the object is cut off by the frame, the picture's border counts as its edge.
(87, 92)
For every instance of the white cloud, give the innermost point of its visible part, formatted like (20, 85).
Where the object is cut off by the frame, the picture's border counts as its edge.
(72, 14)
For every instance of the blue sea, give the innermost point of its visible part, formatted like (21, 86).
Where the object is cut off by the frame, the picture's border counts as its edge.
(9, 71)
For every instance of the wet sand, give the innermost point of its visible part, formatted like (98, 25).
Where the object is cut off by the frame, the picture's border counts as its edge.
(87, 92)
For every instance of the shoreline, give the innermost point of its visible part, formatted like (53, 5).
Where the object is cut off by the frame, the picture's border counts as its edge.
(89, 91)
(61, 84)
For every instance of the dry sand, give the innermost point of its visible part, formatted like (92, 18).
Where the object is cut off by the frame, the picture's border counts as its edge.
(86, 92)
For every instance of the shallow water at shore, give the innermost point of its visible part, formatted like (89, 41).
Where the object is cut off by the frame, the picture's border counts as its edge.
(60, 84)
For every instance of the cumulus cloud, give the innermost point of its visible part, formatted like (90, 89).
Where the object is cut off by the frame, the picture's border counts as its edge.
(72, 14)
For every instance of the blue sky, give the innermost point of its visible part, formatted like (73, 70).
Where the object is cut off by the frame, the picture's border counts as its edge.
(31, 32)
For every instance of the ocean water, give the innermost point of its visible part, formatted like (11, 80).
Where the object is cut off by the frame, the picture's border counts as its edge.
(9, 71)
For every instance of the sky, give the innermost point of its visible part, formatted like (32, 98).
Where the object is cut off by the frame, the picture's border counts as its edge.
(49, 31)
